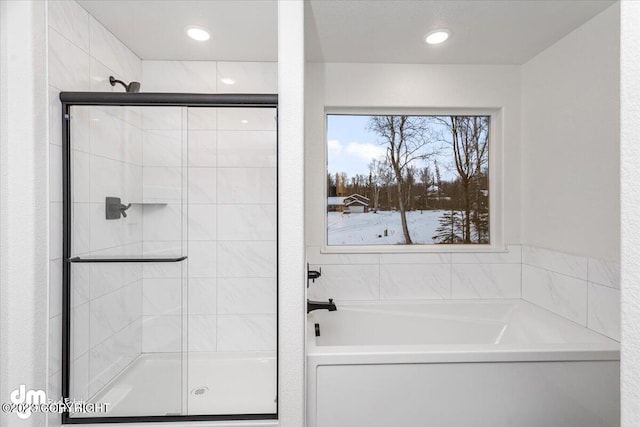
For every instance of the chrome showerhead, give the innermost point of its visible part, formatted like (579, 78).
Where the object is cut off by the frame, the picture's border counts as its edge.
(133, 87)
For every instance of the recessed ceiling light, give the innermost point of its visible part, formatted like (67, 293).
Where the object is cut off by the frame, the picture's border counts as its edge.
(437, 36)
(244, 121)
(197, 33)
(227, 81)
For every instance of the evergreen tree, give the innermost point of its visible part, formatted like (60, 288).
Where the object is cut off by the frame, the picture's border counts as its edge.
(451, 229)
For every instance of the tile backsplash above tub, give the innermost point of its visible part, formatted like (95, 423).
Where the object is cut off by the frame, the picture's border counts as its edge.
(584, 290)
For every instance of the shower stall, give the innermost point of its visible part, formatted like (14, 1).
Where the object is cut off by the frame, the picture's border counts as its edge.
(170, 274)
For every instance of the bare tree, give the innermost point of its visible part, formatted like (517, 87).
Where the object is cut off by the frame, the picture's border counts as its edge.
(406, 138)
(377, 170)
(468, 136)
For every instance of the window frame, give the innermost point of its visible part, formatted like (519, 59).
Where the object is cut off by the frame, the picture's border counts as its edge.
(496, 183)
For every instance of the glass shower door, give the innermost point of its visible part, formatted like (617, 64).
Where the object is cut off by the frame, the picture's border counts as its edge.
(231, 311)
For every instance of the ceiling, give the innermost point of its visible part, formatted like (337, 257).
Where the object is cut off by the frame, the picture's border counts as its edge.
(386, 31)
(241, 30)
(483, 32)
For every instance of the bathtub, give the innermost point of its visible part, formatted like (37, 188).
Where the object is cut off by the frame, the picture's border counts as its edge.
(498, 363)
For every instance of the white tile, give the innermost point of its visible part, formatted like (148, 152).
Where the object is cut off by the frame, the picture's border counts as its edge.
(604, 310)
(246, 259)
(202, 118)
(161, 334)
(106, 48)
(80, 319)
(563, 295)
(415, 281)
(99, 78)
(162, 222)
(80, 283)
(559, 262)
(162, 296)
(107, 179)
(81, 228)
(162, 148)
(202, 333)
(202, 259)
(316, 257)
(55, 173)
(70, 20)
(112, 312)
(202, 222)
(249, 77)
(202, 295)
(247, 119)
(424, 258)
(165, 118)
(113, 234)
(202, 185)
(162, 184)
(347, 282)
(68, 64)
(246, 296)
(80, 128)
(513, 255)
(179, 76)
(471, 281)
(55, 287)
(114, 138)
(246, 185)
(604, 272)
(246, 332)
(81, 176)
(107, 277)
(164, 269)
(238, 149)
(202, 148)
(80, 378)
(246, 222)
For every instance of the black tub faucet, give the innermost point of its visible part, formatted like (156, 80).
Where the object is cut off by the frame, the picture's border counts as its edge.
(321, 305)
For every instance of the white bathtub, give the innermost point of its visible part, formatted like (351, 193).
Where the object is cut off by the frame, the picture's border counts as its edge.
(458, 363)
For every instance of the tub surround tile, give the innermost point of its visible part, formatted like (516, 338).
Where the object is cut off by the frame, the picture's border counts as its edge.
(246, 259)
(246, 185)
(606, 273)
(559, 262)
(203, 118)
(202, 149)
(347, 282)
(80, 320)
(315, 256)
(162, 118)
(604, 310)
(246, 222)
(471, 281)
(202, 222)
(162, 297)
(564, 295)
(55, 287)
(55, 113)
(55, 342)
(425, 258)
(113, 312)
(202, 185)
(80, 381)
(162, 222)
(512, 255)
(415, 281)
(256, 119)
(162, 148)
(202, 259)
(246, 149)
(161, 184)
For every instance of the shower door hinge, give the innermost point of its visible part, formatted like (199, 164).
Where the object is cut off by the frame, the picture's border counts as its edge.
(67, 117)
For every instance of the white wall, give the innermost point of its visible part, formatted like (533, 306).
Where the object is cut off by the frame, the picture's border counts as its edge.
(630, 201)
(393, 276)
(23, 203)
(570, 142)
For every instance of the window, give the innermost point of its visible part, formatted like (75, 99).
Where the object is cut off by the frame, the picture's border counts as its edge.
(397, 180)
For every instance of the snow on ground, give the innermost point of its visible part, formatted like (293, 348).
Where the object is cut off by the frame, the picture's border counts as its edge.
(368, 228)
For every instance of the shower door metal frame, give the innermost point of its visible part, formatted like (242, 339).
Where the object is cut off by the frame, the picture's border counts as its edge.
(70, 99)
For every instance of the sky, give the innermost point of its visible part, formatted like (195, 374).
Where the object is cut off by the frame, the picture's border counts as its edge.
(351, 147)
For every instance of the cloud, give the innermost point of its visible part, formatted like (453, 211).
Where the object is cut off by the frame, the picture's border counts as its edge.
(334, 146)
(365, 151)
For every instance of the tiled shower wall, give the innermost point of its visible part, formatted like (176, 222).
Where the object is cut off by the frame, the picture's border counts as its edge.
(584, 290)
(231, 213)
(82, 55)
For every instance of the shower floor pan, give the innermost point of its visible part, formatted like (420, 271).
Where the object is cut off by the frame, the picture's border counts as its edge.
(193, 384)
